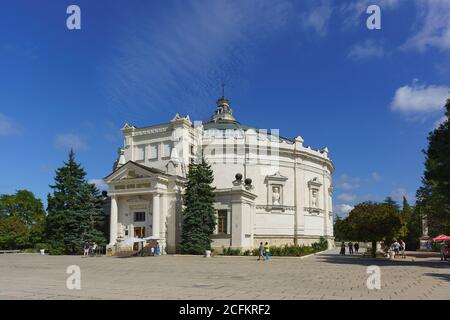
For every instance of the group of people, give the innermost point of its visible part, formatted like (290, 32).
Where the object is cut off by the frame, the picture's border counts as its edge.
(90, 249)
(398, 248)
(352, 248)
(264, 251)
(155, 250)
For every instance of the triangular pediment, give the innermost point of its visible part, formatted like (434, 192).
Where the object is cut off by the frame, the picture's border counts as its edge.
(131, 171)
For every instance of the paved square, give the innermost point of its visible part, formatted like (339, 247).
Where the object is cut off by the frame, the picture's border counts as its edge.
(324, 276)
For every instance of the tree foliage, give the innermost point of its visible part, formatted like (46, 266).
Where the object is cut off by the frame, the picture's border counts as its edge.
(433, 197)
(372, 222)
(75, 213)
(199, 214)
(22, 220)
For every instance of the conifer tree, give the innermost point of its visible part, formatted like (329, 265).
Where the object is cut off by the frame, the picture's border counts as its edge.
(74, 210)
(199, 214)
(433, 197)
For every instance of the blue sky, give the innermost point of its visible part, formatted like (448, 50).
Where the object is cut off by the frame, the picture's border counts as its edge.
(309, 68)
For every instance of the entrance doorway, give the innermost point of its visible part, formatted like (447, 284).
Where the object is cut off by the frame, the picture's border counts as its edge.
(139, 232)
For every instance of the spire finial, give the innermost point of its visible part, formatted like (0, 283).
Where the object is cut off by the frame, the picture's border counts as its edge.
(223, 90)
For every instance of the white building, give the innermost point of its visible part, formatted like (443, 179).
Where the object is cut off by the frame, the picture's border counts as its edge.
(288, 199)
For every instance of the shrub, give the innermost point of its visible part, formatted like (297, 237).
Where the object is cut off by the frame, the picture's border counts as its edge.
(321, 245)
(231, 252)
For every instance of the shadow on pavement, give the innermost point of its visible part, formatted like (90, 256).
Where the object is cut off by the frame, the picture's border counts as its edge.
(442, 276)
(365, 261)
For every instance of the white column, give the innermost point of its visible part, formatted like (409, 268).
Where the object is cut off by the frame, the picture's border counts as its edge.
(156, 214)
(113, 221)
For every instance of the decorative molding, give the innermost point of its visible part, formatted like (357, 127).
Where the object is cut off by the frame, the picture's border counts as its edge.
(314, 210)
(137, 199)
(149, 131)
(314, 183)
(276, 208)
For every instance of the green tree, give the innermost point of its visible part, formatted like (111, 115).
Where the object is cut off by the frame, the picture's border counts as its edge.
(199, 214)
(373, 222)
(75, 213)
(340, 229)
(413, 225)
(433, 197)
(391, 202)
(22, 220)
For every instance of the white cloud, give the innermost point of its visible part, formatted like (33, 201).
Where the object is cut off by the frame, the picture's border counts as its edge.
(100, 184)
(190, 51)
(70, 140)
(420, 99)
(317, 18)
(366, 50)
(376, 176)
(347, 182)
(342, 209)
(434, 26)
(7, 126)
(347, 197)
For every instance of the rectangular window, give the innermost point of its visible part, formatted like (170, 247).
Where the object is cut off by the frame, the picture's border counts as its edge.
(222, 221)
(139, 216)
(166, 150)
(140, 153)
(153, 151)
(191, 150)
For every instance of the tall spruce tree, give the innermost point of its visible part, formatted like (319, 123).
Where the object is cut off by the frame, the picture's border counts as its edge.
(433, 197)
(413, 225)
(75, 213)
(199, 214)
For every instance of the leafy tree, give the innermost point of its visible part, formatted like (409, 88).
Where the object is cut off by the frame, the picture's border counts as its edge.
(22, 220)
(75, 213)
(13, 233)
(340, 229)
(433, 197)
(413, 225)
(373, 222)
(199, 214)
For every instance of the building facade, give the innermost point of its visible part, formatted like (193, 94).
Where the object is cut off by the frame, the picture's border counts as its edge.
(268, 188)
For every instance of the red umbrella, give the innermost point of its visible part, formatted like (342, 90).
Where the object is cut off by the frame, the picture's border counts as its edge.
(442, 237)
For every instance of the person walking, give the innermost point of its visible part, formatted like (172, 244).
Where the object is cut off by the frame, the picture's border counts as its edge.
(356, 245)
(86, 249)
(350, 247)
(403, 248)
(261, 252)
(266, 251)
(342, 248)
(396, 248)
(158, 249)
(94, 249)
(443, 247)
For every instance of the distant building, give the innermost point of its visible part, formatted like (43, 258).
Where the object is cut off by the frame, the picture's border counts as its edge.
(288, 199)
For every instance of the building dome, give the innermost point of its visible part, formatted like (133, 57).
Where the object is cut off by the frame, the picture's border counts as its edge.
(223, 112)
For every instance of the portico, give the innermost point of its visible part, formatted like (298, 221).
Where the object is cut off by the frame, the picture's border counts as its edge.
(139, 209)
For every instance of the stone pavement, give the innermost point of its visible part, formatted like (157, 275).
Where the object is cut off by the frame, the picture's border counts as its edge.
(323, 276)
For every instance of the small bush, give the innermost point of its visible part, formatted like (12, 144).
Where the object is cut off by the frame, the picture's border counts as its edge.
(321, 245)
(231, 252)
